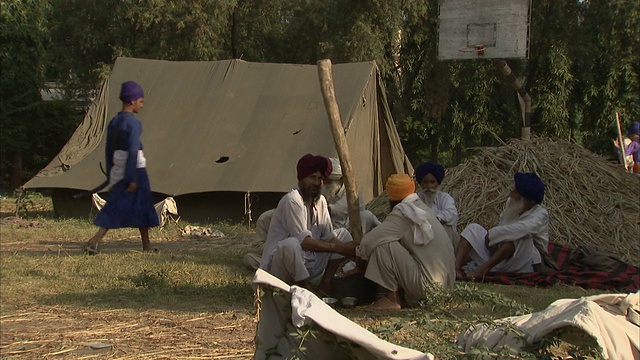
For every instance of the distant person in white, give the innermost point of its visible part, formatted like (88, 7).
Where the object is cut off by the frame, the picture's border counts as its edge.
(335, 193)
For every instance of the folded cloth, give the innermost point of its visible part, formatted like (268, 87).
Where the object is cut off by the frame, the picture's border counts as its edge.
(120, 158)
(422, 230)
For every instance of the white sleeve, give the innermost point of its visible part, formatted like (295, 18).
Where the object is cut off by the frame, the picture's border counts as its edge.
(519, 228)
(446, 209)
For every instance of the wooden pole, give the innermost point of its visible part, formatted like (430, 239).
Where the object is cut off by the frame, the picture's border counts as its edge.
(620, 142)
(523, 96)
(328, 93)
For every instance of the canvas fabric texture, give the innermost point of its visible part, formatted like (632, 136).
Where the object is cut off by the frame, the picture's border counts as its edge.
(253, 95)
(603, 317)
(285, 309)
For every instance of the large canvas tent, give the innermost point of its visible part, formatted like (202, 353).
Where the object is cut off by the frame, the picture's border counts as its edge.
(223, 137)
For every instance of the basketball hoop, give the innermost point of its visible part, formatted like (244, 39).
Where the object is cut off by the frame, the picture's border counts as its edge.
(478, 49)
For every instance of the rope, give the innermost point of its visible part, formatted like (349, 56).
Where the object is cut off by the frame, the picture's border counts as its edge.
(247, 207)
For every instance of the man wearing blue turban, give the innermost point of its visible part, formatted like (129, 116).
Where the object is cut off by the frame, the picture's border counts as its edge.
(519, 241)
(429, 176)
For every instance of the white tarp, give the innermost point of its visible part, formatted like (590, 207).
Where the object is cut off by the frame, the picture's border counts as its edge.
(280, 316)
(611, 319)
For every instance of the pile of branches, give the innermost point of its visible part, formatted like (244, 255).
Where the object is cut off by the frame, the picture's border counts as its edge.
(591, 201)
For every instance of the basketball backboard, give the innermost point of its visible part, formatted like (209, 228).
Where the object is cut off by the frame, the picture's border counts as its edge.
(483, 29)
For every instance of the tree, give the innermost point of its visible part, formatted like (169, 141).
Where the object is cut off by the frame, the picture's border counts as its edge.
(85, 45)
(23, 37)
(612, 33)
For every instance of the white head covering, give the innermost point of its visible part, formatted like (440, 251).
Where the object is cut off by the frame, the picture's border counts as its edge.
(422, 230)
(336, 173)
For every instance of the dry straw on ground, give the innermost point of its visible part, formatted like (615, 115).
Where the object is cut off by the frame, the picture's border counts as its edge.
(590, 200)
(58, 332)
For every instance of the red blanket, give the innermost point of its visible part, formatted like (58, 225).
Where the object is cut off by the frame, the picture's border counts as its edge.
(625, 278)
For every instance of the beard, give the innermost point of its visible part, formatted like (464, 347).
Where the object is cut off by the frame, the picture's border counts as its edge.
(330, 191)
(512, 210)
(429, 196)
(310, 193)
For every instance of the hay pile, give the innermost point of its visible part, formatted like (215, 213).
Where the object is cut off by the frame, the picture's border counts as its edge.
(590, 201)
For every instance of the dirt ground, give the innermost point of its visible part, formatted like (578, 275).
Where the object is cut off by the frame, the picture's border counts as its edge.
(60, 332)
(124, 334)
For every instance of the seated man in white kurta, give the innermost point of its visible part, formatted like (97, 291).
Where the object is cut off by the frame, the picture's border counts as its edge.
(510, 246)
(335, 194)
(301, 243)
(429, 176)
(410, 250)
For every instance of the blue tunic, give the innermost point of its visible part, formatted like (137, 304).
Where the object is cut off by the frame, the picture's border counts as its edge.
(125, 209)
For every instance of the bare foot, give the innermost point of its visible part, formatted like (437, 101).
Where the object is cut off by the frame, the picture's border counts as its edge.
(91, 248)
(460, 275)
(384, 303)
(477, 274)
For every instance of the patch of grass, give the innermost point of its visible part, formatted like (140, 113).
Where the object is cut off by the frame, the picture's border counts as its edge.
(42, 266)
(130, 279)
(436, 324)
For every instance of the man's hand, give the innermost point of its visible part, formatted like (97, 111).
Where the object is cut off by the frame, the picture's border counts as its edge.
(132, 187)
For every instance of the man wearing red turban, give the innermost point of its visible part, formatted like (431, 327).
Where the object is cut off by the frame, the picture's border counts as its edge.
(410, 250)
(517, 244)
(301, 243)
(334, 192)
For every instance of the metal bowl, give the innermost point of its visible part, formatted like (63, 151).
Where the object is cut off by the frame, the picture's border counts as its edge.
(330, 301)
(349, 301)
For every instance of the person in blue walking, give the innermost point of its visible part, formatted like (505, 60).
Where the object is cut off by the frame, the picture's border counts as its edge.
(129, 203)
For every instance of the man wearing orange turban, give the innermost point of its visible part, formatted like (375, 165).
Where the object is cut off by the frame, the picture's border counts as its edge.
(410, 250)
(301, 243)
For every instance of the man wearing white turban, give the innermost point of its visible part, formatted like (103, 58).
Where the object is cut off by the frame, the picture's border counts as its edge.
(335, 193)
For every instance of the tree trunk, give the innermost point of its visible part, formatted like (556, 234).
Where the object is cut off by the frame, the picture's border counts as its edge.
(458, 154)
(234, 34)
(434, 149)
(16, 171)
(325, 75)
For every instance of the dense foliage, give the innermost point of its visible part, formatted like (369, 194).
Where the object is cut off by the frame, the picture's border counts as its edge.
(583, 65)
